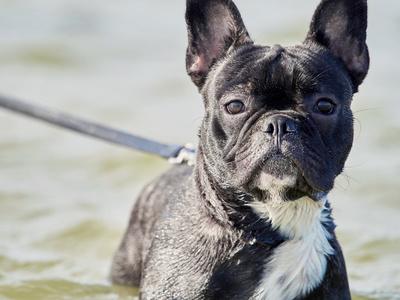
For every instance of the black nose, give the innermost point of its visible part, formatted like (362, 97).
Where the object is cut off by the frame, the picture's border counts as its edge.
(278, 126)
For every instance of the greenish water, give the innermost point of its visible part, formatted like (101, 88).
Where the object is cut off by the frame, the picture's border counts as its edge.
(65, 199)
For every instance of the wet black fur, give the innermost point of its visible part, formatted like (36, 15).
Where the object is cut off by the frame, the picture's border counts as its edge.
(192, 234)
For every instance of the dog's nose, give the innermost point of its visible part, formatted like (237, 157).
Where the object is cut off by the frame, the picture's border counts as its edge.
(278, 126)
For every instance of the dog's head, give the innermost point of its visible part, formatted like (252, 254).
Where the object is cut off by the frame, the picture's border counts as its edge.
(277, 119)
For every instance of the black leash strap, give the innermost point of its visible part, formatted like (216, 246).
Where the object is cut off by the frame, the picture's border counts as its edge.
(176, 154)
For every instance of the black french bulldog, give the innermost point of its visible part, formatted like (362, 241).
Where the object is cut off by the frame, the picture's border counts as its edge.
(251, 219)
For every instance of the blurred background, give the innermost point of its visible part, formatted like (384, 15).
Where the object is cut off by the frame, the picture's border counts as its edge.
(65, 199)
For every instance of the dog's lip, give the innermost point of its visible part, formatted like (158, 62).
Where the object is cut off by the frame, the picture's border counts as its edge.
(294, 163)
(277, 158)
(260, 177)
(296, 182)
(277, 170)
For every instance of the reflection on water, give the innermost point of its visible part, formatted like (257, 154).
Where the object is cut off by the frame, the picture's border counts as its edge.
(65, 199)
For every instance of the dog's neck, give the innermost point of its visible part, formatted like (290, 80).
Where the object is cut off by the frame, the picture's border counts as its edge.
(293, 219)
(226, 205)
(207, 189)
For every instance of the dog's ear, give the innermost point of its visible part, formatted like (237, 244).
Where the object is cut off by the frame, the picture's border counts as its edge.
(214, 27)
(341, 26)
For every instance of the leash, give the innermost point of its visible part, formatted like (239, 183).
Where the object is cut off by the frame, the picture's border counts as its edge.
(176, 154)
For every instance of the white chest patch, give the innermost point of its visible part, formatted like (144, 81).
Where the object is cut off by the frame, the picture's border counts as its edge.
(299, 264)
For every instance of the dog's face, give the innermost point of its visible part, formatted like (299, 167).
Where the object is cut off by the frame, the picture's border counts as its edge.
(277, 120)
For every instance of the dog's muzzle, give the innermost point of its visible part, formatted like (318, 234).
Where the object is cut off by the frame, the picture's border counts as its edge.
(279, 172)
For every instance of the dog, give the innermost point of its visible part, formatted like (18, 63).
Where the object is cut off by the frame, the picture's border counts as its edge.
(251, 219)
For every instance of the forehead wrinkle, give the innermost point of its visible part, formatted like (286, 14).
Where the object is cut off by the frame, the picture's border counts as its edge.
(284, 68)
(235, 91)
(278, 82)
(240, 70)
(318, 69)
(297, 72)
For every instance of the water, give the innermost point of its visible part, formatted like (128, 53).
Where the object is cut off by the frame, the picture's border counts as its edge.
(65, 199)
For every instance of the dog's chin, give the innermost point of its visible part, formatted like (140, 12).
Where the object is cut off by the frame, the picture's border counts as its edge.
(278, 169)
(280, 177)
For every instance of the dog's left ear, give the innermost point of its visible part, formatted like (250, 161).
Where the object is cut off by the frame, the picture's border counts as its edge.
(215, 28)
(341, 26)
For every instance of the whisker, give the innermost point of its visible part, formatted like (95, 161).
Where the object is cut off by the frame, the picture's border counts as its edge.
(368, 109)
(320, 74)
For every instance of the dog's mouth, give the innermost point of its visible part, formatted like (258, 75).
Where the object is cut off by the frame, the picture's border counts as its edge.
(280, 176)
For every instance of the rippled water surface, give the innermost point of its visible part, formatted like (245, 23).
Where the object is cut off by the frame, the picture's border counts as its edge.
(65, 199)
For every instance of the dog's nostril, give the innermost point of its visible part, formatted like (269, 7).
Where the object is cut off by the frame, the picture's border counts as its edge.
(289, 126)
(269, 128)
(280, 126)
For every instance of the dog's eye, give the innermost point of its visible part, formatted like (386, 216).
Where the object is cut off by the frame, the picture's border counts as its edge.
(325, 106)
(235, 107)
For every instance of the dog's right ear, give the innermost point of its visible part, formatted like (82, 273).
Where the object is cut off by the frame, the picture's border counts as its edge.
(215, 28)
